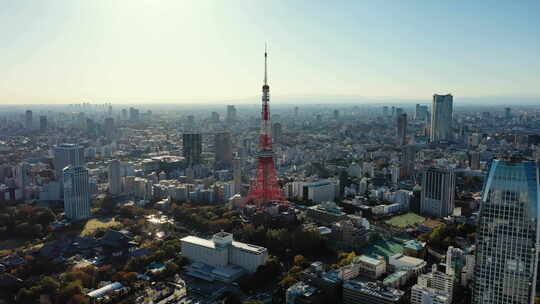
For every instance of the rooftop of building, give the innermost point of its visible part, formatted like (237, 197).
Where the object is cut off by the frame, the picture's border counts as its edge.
(211, 244)
(368, 260)
(394, 277)
(414, 244)
(375, 290)
(303, 289)
(328, 207)
(443, 297)
(97, 293)
(410, 261)
(317, 183)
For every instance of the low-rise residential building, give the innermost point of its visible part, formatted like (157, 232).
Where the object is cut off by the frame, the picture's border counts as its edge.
(302, 293)
(435, 287)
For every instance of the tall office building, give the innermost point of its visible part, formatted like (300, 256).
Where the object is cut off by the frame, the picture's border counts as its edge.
(231, 114)
(441, 118)
(22, 174)
(28, 120)
(296, 111)
(91, 127)
(133, 114)
(192, 146)
(76, 193)
(223, 149)
(474, 160)
(115, 181)
(276, 132)
(507, 241)
(507, 113)
(215, 117)
(237, 175)
(438, 186)
(109, 128)
(402, 129)
(43, 123)
(67, 155)
(421, 112)
(385, 111)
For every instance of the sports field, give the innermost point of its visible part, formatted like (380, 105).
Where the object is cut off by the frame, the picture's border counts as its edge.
(405, 220)
(95, 224)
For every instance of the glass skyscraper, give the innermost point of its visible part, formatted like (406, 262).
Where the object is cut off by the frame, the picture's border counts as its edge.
(507, 238)
(441, 118)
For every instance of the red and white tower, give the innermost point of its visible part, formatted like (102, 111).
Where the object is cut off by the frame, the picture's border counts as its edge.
(265, 188)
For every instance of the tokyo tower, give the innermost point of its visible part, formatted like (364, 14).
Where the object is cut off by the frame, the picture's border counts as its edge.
(265, 187)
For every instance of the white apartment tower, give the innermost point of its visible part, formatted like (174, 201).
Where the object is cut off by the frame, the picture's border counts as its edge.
(76, 193)
(67, 155)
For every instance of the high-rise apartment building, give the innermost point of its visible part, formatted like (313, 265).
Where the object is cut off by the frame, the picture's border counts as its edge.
(231, 113)
(77, 193)
(408, 159)
(192, 147)
(67, 155)
(115, 180)
(507, 241)
(28, 120)
(402, 129)
(223, 149)
(438, 187)
(441, 118)
(43, 123)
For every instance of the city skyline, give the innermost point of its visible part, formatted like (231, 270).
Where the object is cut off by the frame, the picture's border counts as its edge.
(173, 52)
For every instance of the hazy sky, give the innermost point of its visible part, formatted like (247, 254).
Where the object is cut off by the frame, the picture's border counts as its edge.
(67, 51)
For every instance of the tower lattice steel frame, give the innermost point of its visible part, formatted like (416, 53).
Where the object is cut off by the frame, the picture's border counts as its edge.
(265, 187)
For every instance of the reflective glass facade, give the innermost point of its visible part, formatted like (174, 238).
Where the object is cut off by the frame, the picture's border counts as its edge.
(507, 238)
